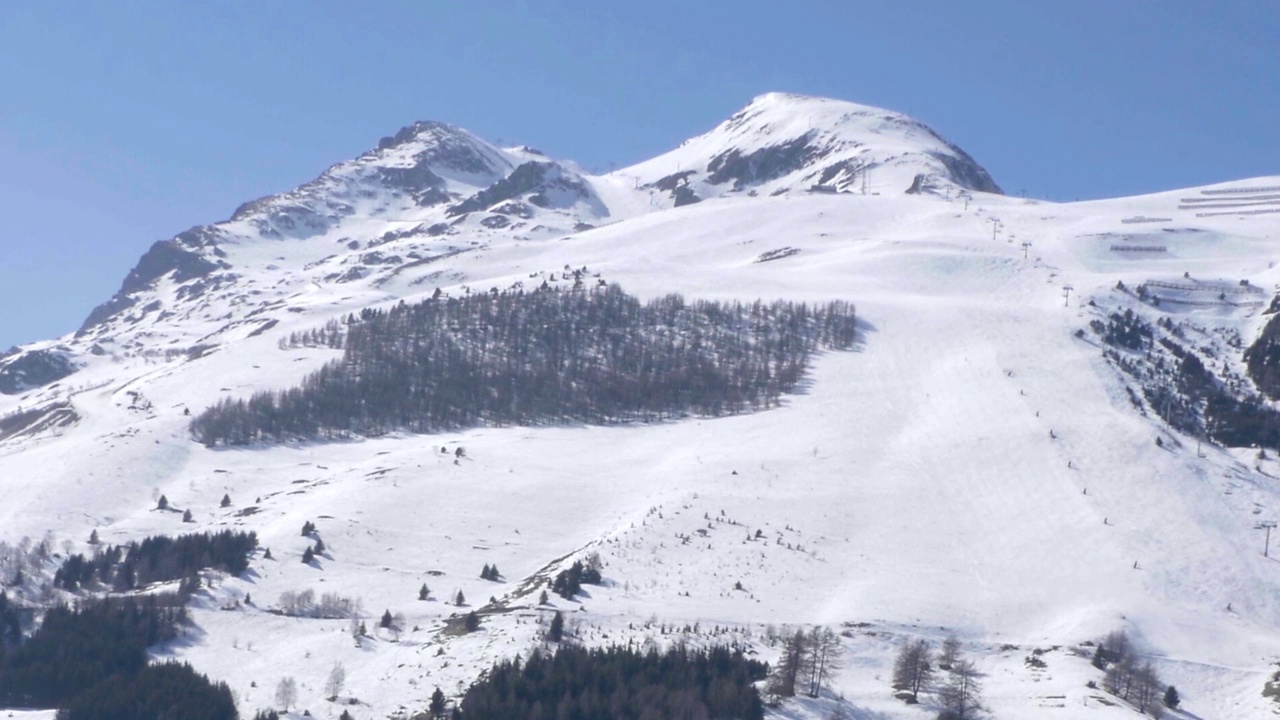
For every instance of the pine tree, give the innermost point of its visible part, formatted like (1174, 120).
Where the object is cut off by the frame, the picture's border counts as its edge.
(472, 622)
(437, 706)
(1171, 698)
(308, 556)
(542, 599)
(459, 599)
(423, 592)
(186, 516)
(93, 537)
(226, 501)
(386, 619)
(162, 503)
(320, 546)
(555, 633)
(484, 572)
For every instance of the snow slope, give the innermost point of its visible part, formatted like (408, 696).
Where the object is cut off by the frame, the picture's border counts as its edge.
(974, 466)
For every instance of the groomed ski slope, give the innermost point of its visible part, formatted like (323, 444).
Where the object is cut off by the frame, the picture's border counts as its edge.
(954, 472)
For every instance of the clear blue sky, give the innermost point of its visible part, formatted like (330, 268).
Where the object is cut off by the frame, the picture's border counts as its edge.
(124, 122)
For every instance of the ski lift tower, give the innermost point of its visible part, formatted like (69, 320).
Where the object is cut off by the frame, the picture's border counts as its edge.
(1266, 525)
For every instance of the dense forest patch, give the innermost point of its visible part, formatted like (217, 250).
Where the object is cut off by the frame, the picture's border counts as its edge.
(167, 690)
(77, 648)
(596, 356)
(159, 558)
(619, 684)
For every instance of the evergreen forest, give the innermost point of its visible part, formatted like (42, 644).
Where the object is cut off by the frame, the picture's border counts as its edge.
(594, 356)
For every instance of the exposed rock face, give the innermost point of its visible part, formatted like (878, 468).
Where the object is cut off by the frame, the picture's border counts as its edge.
(539, 180)
(677, 184)
(966, 172)
(164, 257)
(445, 148)
(761, 165)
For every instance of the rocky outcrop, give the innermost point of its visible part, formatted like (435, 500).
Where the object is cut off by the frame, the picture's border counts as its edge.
(165, 257)
(535, 179)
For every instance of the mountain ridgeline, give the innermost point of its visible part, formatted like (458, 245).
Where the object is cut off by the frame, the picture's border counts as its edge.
(596, 356)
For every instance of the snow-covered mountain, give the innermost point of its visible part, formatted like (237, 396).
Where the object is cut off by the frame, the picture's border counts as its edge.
(987, 462)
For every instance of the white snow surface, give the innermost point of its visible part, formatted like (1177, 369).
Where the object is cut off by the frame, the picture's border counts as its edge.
(954, 473)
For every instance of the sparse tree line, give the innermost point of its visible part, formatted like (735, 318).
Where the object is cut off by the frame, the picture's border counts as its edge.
(24, 564)
(330, 605)
(915, 671)
(158, 558)
(551, 356)
(808, 663)
(1130, 678)
(332, 336)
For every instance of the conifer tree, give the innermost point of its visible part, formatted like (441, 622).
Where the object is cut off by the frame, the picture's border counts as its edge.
(424, 592)
(555, 633)
(437, 706)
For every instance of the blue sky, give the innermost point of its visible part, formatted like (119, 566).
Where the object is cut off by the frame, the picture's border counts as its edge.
(123, 123)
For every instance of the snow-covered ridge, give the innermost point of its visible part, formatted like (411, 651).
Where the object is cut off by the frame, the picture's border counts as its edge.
(413, 194)
(783, 143)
